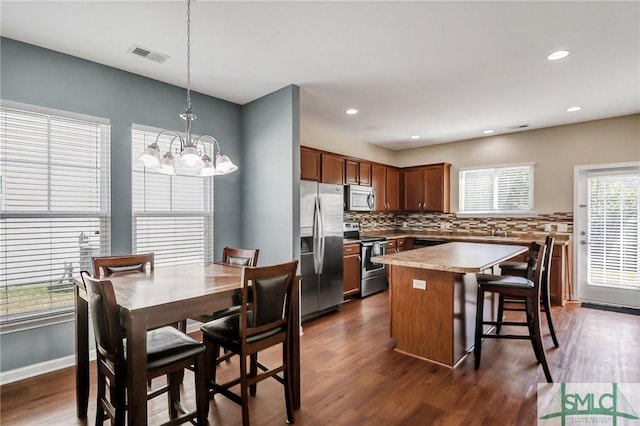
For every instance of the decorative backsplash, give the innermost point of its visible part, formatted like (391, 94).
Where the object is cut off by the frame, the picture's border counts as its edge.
(561, 223)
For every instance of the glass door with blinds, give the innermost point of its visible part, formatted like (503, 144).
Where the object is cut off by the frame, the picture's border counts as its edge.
(608, 234)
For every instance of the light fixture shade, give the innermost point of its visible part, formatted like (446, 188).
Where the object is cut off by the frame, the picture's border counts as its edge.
(150, 157)
(190, 159)
(208, 169)
(224, 165)
(167, 165)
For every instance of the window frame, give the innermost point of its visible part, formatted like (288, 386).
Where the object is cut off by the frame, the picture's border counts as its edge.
(96, 212)
(529, 212)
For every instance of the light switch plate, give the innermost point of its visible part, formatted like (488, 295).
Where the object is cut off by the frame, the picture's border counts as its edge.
(420, 284)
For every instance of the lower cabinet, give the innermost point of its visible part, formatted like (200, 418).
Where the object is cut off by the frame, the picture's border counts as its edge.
(351, 269)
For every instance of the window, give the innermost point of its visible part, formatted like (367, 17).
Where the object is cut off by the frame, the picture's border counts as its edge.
(497, 190)
(172, 215)
(54, 207)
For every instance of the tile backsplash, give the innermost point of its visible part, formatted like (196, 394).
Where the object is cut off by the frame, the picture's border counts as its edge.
(554, 222)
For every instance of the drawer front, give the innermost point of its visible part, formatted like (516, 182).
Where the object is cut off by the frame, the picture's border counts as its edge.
(400, 242)
(391, 244)
(351, 249)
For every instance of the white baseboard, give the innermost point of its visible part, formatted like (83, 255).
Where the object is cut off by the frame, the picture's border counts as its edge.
(41, 368)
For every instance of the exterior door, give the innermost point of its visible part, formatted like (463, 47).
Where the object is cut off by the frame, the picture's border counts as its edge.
(607, 234)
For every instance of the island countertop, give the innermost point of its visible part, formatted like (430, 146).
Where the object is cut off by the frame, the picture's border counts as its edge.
(462, 257)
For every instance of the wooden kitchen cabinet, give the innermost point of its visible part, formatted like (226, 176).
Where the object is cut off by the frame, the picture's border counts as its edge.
(309, 164)
(396, 245)
(426, 188)
(357, 172)
(332, 167)
(351, 265)
(386, 182)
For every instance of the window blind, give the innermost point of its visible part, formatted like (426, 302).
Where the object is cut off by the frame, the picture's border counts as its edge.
(54, 208)
(505, 189)
(614, 235)
(172, 215)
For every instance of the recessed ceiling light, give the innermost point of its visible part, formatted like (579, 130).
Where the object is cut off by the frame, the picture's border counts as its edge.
(559, 54)
(488, 131)
(574, 109)
(351, 111)
(415, 137)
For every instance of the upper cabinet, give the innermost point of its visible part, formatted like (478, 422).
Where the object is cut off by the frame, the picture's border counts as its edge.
(426, 188)
(332, 166)
(309, 164)
(386, 182)
(357, 172)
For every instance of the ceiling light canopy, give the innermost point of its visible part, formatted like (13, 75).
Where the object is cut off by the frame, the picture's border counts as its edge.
(351, 111)
(558, 54)
(415, 137)
(574, 109)
(488, 131)
(190, 160)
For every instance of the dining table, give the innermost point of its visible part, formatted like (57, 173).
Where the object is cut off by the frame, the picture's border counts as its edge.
(154, 298)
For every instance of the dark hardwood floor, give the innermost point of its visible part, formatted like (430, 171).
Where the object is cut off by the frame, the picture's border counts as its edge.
(352, 376)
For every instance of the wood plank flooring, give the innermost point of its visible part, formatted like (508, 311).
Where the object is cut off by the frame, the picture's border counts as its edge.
(352, 376)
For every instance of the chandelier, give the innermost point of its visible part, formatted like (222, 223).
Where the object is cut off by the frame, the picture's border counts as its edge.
(189, 161)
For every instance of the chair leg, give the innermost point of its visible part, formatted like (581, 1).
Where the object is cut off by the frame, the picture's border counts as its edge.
(102, 383)
(253, 372)
(500, 313)
(173, 396)
(547, 310)
(477, 349)
(538, 340)
(529, 309)
(288, 385)
(211, 351)
(120, 397)
(244, 391)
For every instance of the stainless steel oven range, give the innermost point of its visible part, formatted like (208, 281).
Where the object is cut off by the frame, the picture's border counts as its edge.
(373, 276)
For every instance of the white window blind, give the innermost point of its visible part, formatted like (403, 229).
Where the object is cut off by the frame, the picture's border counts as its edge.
(172, 215)
(54, 208)
(614, 235)
(504, 189)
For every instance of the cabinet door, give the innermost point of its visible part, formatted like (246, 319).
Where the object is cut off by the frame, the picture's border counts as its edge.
(364, 173)
(351, 172)
(392, 181)
(436, 187)
(309, 164)
(351, 267)
(332, 169)
(413, 194)
(378, 182)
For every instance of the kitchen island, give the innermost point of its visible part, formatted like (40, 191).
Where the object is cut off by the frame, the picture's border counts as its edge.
(432, 297)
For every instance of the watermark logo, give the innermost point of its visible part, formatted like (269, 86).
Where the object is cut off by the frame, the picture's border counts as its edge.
(574, 404)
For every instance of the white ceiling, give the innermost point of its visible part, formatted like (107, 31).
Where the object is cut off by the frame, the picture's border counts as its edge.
(443, 70)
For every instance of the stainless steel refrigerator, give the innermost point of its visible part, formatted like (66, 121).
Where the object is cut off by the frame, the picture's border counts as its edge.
(321, 237)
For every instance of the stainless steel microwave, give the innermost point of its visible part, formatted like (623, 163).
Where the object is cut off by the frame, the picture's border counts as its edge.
(359, 198)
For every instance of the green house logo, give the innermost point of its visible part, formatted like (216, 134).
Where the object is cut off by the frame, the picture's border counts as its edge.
(589, 403)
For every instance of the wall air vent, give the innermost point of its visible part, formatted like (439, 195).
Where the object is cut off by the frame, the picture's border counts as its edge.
(149, 54)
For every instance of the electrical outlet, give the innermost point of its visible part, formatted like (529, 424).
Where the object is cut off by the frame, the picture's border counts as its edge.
(547, 227)
(443, 225)
(420, 284)
(563, 227)
(405, 224)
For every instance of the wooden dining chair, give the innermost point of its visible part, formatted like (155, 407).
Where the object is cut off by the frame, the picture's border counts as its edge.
(105, 266)
(169, 352)
(519, 288)
(265, 321)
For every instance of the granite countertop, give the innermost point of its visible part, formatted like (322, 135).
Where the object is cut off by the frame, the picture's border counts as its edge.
(462, 236)
(458, 257)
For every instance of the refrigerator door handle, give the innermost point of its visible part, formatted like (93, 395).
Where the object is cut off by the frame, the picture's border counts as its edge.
(316, 234)
(321, 237)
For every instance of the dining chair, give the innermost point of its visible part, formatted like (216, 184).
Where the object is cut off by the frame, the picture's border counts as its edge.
(520, 288)
(265, 321)
(526, 270)
(105, 266)
(169, 352)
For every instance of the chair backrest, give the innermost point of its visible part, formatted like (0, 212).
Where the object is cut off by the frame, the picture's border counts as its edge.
(543, 262)
(105, 316)
(270, 292)
(532, 259)
(548, 248)
(110, 265)
(240, 257)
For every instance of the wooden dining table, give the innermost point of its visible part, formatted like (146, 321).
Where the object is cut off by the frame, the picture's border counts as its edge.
(155, 298)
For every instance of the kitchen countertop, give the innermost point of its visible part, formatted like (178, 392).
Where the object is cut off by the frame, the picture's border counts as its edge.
(462, 257)
(462, 236)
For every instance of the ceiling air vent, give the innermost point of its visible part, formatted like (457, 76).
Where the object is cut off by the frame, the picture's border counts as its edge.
(519, 126)
(149, 54)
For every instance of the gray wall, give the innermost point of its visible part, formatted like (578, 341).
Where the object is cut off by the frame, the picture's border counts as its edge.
(271, 187)
(37, 76)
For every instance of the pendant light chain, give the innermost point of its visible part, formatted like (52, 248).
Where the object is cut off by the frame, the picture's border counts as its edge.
(189, 55)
